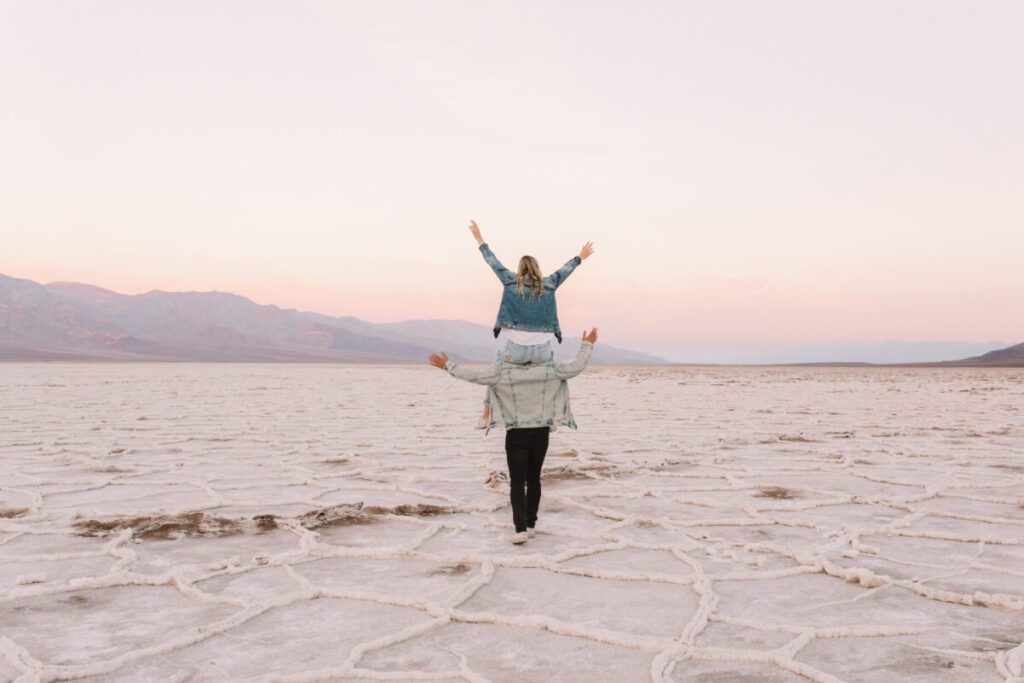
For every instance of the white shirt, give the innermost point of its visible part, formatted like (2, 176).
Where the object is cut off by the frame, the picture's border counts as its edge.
(524, 338)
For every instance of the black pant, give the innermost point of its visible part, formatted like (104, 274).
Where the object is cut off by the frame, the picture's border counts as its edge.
(525, 450)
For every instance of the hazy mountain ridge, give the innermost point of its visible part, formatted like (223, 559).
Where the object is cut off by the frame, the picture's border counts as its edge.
(1010, 355)
(73, 321)
(66, 321)
(880, 352)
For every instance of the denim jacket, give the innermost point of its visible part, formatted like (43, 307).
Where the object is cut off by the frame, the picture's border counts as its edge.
(531, 395)
(522, 311)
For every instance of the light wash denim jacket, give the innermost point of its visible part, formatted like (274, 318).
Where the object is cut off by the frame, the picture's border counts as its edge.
(525, 396)
(521, 311)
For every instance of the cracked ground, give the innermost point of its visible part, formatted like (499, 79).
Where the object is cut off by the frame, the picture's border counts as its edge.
(190, 522)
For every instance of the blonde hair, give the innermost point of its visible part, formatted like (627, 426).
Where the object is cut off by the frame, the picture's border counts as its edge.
(529, 272)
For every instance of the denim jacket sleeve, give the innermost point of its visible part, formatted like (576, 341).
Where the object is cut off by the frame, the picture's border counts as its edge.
(558, 277)
(488, 376)
(504, 274)
(576, 365)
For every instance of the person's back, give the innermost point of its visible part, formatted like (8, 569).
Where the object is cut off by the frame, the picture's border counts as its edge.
(531, 395)
(528, 301)
(535, 395)
(528, 305)
(529, 399)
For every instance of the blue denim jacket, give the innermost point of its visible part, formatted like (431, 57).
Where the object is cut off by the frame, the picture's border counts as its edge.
(521, 311)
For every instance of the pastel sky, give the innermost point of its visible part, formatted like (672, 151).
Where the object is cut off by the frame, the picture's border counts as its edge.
(753, 174)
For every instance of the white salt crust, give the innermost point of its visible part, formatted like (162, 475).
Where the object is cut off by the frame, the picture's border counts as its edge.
(702, 521)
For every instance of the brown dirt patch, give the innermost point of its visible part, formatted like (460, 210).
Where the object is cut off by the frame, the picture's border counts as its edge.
(162, 527)
(421, 510)
(495, 478)
(776, 492)
(8, 513)
(338, 515)
(564, 472)
(265, 523)
(453, 569)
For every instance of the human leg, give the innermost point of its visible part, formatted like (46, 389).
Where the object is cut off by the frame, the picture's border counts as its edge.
(485, 418)
(517, 455)
(538, 449)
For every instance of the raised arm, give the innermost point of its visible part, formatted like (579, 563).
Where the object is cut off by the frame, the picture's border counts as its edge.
(487, 376)
(576, 365)
(504, 274)
(559, 276)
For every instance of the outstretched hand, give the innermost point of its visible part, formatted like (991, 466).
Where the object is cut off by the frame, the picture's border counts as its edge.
(439, 361)
(590, 336)
(475, 229)
(586, 251)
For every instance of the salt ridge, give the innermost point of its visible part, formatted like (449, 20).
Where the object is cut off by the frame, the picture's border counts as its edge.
(69, 461)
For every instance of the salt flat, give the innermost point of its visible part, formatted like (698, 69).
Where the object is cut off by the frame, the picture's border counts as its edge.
(200, 522)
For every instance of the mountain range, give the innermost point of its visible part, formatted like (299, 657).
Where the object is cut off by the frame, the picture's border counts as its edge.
(1010, 356)
(72, 321)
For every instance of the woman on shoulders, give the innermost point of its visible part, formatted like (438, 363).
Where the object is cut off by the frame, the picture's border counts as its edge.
(528, 313)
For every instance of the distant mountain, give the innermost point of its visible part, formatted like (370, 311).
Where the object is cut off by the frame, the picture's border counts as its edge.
(72, 321)
(863, 352)
(1012, 356)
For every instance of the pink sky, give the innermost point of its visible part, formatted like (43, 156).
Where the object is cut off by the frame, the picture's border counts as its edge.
(751, 173)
